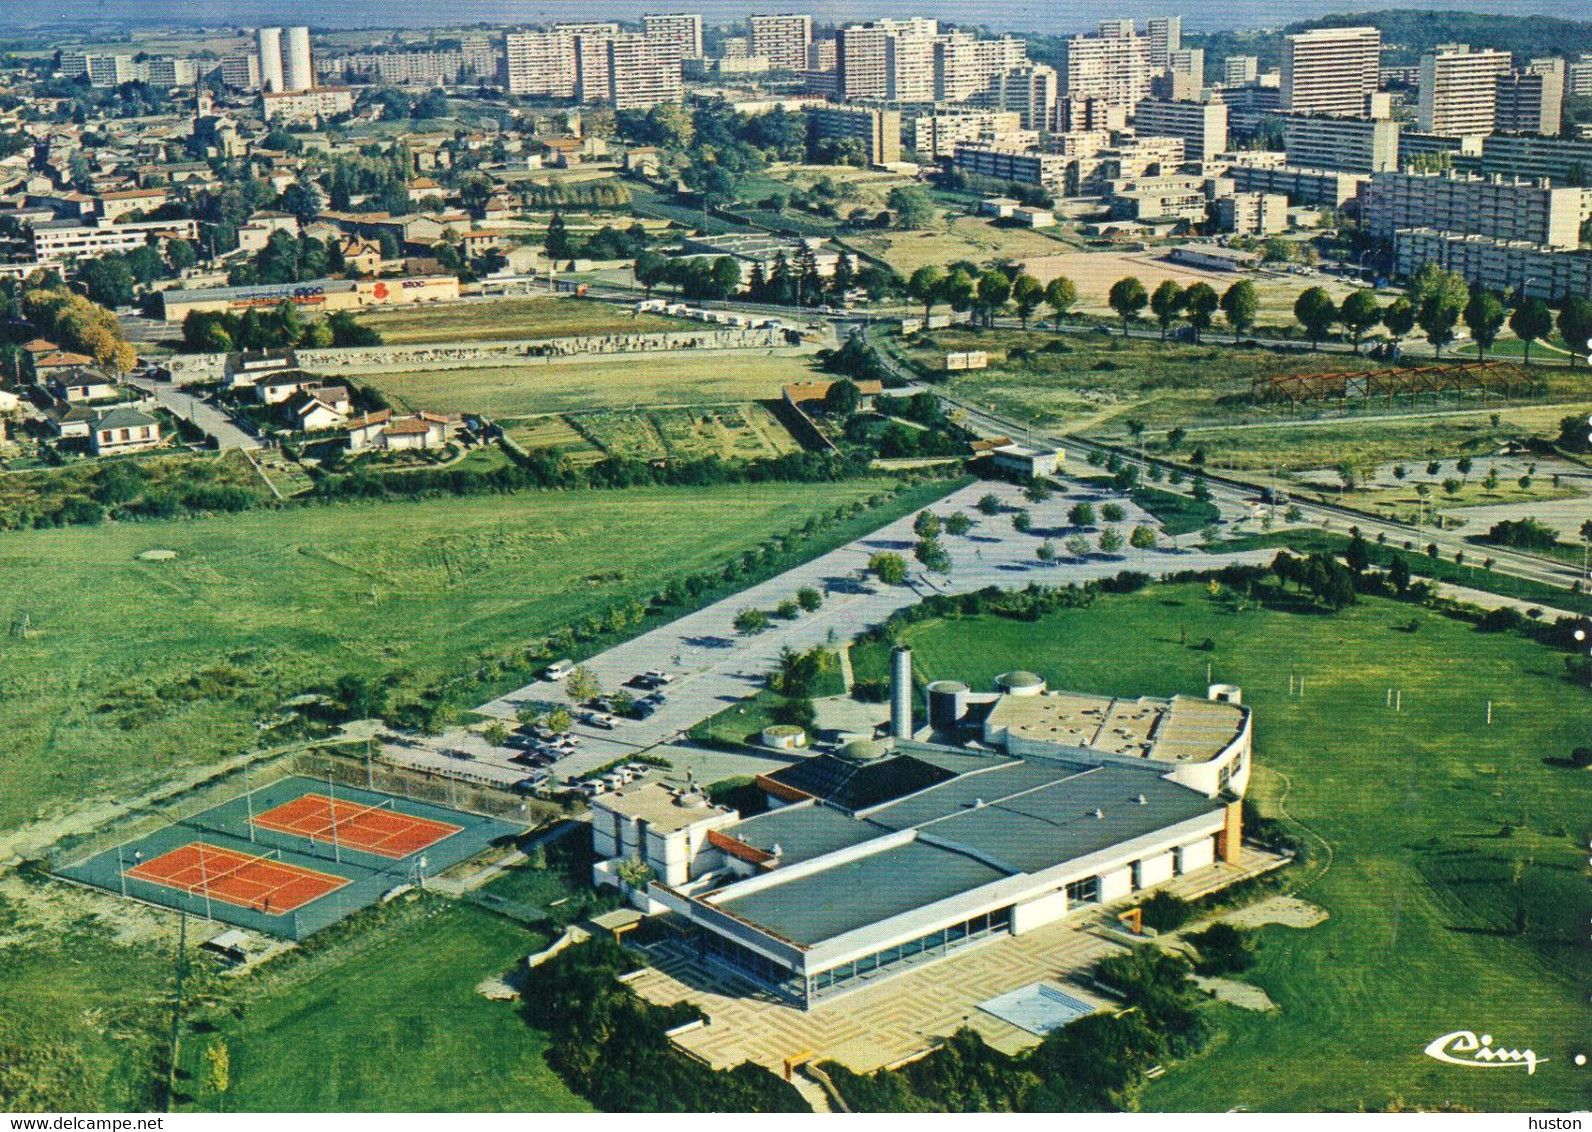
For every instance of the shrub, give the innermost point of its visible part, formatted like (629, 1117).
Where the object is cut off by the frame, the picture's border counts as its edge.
(1164, 912)
(1223, 949)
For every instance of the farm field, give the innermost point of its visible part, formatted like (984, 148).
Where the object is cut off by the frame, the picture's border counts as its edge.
(682, 378)
(384, 1026)
(1446, 852)
(504, 319)
(133, 667)
(731, 432)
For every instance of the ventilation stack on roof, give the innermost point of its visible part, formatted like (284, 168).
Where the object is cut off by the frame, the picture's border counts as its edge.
(901, 693)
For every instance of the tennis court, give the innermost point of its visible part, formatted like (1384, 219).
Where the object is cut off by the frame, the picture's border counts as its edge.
(259, 882)
(374, 828)
(290, 857)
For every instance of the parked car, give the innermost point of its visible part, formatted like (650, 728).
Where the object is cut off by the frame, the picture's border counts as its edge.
(601, 719)
(657, 677)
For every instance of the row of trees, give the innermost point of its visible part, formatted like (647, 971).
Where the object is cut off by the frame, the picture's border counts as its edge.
(218, 332)
(986, 293)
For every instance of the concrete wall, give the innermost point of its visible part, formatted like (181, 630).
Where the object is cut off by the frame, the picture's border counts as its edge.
(1039, 912)
(1198, 855)
(1115, 884)
(1155, 870)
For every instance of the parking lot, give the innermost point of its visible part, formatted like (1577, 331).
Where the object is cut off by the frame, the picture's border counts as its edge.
(711, 665)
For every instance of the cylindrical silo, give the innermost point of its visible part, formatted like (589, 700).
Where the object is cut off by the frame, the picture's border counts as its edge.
(901, 693)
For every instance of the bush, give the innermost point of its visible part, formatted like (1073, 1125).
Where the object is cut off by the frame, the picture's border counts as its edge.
(1581, 756)
(1164, 912)
(1224, 950)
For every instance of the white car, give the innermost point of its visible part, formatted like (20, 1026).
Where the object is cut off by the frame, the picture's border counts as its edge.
(600, 719)
(660, 677)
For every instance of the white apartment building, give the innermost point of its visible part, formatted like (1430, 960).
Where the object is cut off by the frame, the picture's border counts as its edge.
(1113, 66)
(782, 39)
(1166, 37)
(936, 135)
(1481, 206)
(1324, 141)
(1459, 90)
(306, 105)
(965, 65)
(1025, 167)
(241, 72)
(1240, 70)
(298, 66)
(1531, 101)
(56, 243)
(1325, 187)
(542, 63)
(1201, 125)
(270, 50)
(1552, 158)
(641, 73)
(678, 32)
(1499, 265)
(1031, 89)
(1330, 70)
(1252, 214)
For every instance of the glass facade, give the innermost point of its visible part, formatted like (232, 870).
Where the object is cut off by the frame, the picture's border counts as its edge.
(754, 965)
(1085, 891)
(942, 941)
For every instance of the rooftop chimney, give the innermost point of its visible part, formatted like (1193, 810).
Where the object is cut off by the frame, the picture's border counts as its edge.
(901, 693)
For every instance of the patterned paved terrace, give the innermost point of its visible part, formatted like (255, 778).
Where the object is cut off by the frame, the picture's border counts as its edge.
(872, 1026)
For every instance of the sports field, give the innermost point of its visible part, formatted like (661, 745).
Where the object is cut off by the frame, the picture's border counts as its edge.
(1447, 852)
(290, 857)
(488, 320)
(964, 237)
(692, 377)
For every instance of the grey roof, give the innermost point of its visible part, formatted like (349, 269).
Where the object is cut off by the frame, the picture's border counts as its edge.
(1003, 779)
(1058, 822)
(124, 418)
(802, 831)
(856, 893)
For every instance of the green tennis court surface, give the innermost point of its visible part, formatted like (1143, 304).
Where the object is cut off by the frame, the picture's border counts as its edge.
(368, 841)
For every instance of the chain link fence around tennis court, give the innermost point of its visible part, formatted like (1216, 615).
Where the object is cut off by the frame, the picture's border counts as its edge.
(220, 812)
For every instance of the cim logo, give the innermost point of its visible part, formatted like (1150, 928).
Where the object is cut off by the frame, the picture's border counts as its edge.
(380, 291)
(1465, 1048)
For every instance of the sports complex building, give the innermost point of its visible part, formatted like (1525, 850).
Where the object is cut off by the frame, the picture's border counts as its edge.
(314, 294)
(1009, 811)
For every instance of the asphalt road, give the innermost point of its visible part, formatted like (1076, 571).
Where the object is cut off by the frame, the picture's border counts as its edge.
(212, 420)
(715, 666)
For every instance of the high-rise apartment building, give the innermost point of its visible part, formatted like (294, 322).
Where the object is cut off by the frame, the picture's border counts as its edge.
(1330, 70)
(1113, 66)
(1031, 89)
(641, 73)
(298, 68)
(1326, 141)
(1459, 90)
(964, 64)
(680, 32)
(1201, 125)
(241, 72)
(1240, 70)
(1166, 36)
(1531, 101)
(270, 44)
(782, 40)
(544, 63)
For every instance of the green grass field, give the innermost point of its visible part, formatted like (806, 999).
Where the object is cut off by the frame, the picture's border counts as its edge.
(685, 378)
(1403, 812)
(133, 667)
(512, 318)
(391, 1021)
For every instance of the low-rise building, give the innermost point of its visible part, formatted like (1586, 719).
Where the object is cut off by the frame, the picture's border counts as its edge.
(1505, 266)
(1324, 187)
(122, 430)
(1252, 214)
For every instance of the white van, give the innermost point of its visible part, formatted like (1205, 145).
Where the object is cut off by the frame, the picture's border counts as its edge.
(558, 669)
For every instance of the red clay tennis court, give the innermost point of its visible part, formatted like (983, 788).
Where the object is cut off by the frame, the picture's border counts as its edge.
(355, 825)
(261, 883)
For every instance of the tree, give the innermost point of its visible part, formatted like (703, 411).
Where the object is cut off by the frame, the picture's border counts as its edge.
(1143, 537)
(1113, 512)
(556, 242)
(1166, 302)
(495, 733)
(1241, 304)
(959, 290)
(841, 281)
(1463, 465)
(931, 552)
(1316, 312)
(809, 598)
(1359, 313)
(1200, 304)
(1399, 318)
(994, 289)
(889, 567)
(1077, 546)
(751, 621)
(1127, 297)
(1027, 294)
(652, 268)
(1060, 295)
(1037, 492)
(1439, 299)
(1484, 315)
(912, 205)
(1533, 319)
(1081, 514)
(1575, 326)
(842, 399)
(989, 504)
(1022, 521)
(528, 715)
(1110, 540)
(957, 524)
(926, 524)
(583, 685)
(927, 286)
(1046, 552)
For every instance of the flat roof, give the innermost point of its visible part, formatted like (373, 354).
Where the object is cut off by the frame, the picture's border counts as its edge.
(802, 831)
(662, 808)
(1180, 730)
(853, 894)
